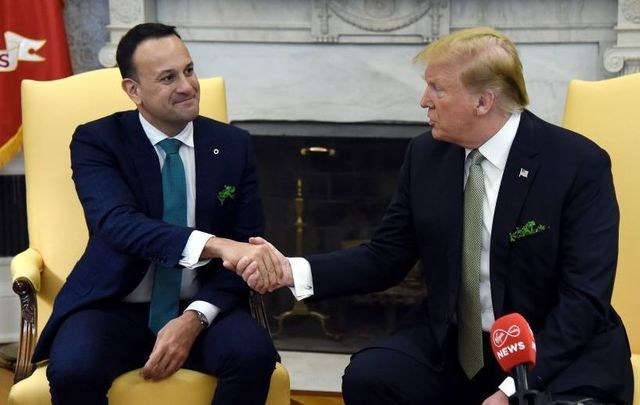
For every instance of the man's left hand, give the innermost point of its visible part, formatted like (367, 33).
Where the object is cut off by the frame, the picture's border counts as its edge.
(498, 398)
(172, 346)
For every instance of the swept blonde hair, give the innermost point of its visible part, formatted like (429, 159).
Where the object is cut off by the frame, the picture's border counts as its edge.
(489, 61)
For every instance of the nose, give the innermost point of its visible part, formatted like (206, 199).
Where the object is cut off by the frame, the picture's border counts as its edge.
(425, 101)
(187, 84)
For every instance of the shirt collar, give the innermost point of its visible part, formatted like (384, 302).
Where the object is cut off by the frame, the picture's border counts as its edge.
(496, 149)
(155, 135)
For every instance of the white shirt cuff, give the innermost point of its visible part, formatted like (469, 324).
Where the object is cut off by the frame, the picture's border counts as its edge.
(302, 279)
(210, 311)
(193, 250)
(508, 386)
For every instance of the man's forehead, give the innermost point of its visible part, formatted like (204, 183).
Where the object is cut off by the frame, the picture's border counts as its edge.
(440, 72)
(160, 54)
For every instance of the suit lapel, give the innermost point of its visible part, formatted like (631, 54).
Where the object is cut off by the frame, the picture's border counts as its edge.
(519, 174)
(208, 173)
(145, 160)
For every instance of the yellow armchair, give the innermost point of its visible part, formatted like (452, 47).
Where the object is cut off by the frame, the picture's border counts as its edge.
(57, 232)
(607, 112)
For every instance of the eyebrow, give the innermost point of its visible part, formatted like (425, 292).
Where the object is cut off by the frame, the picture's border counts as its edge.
(166, 71)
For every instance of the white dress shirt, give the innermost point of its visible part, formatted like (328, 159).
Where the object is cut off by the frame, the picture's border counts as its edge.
(496, 151)
(195, 244)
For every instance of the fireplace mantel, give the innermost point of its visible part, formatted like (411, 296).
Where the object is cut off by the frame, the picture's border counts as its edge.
(349, 61)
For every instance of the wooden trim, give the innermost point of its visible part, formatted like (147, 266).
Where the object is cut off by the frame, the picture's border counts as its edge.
(28, 319)
(258, 312)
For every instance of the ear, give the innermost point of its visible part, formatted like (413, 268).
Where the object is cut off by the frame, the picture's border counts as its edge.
(132, 89)
(485, 102)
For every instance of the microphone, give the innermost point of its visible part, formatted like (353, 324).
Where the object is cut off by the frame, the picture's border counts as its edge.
(514, 347)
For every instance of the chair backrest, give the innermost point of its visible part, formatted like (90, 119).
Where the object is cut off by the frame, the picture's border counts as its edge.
(608, 112)
(51, 111)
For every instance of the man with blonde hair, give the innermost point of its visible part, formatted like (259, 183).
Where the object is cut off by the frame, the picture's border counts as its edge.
(508, 213)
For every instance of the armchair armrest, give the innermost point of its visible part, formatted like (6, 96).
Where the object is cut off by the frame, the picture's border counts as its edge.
(25, 271)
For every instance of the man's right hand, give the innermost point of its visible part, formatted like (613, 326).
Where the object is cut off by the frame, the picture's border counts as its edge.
(249, 270)
(268, 265)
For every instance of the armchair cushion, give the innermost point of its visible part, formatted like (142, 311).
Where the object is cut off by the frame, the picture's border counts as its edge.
(184, 387)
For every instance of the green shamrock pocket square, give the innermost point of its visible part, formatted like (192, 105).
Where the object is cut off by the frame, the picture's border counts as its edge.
(225, 193)
(528, 229)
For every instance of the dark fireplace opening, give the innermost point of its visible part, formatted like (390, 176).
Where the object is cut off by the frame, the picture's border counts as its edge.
(338, 188)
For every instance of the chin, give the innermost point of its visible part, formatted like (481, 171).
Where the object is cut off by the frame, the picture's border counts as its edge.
(438, 135)
(191, 114)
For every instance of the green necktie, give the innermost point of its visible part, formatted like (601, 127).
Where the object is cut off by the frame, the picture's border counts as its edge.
(470, 351)
(165, 296)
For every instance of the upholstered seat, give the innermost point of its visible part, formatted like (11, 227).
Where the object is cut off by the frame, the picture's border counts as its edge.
(58, 234)
(184, 387)
(606, 111)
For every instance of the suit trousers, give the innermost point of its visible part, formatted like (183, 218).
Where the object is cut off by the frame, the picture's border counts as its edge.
(382, 374)
(95, 345)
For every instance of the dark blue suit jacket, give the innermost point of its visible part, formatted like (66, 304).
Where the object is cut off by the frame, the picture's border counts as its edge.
(118, 179)
(560, 280)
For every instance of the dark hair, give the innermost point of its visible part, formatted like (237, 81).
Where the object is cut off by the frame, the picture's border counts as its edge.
(134, 37)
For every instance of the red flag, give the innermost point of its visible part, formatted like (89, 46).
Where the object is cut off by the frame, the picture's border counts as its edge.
(33, 45)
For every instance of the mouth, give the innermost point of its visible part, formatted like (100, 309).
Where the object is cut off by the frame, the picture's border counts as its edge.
(186, 101)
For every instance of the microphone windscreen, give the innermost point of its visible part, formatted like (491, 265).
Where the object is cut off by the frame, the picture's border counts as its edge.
(512, 342)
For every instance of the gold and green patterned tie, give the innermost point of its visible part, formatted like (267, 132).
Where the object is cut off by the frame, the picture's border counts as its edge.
(469, 318)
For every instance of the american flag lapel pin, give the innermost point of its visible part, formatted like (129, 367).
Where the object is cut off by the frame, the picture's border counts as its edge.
(523, 173)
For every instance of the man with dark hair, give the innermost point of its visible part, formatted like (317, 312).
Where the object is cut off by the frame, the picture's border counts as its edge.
(507, 213)
(150, 289)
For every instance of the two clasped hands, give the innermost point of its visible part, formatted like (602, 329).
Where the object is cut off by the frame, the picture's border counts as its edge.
(258, 262)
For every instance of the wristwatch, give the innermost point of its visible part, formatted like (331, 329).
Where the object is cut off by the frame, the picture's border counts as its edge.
(203, 319)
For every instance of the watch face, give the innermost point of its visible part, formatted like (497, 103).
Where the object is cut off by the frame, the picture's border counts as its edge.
(203, 319)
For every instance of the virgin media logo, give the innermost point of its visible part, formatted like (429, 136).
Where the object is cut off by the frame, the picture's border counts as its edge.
(500, 335)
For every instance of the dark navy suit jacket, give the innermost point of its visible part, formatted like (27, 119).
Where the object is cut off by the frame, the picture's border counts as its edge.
(560, 280)
(118, 179)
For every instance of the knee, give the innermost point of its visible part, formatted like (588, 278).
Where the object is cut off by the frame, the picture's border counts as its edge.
(257, 361)
(66, 377)
(361, 375)
(365, 380)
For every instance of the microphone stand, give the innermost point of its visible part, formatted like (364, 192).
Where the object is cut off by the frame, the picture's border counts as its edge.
(529, 397)
(523, 395)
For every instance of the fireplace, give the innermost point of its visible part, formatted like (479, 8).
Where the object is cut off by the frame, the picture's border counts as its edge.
(343, 188)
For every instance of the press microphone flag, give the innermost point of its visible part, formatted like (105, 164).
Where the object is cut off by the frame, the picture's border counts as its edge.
(512, 342)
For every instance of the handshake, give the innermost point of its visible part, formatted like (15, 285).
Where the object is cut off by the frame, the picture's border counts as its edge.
(258, 262)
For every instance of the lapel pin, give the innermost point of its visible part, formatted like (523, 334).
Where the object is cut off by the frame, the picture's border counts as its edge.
(216, 151)
(523, 173)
